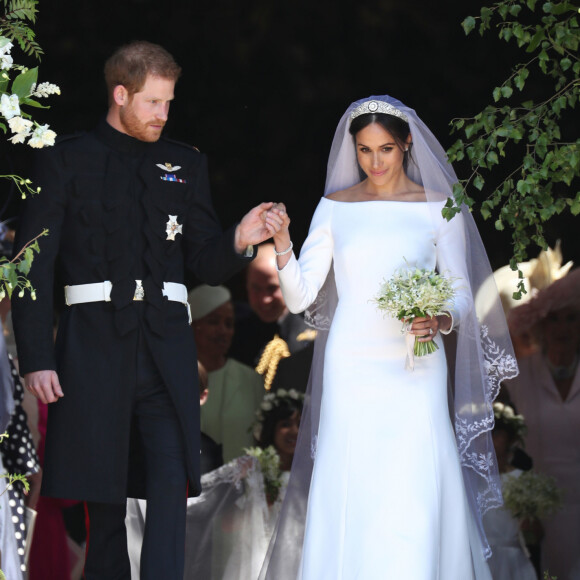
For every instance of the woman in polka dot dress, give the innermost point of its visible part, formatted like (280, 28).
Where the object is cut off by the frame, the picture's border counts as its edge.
(18, 456)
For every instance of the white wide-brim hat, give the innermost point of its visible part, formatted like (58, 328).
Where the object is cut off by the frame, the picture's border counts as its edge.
(204, 299)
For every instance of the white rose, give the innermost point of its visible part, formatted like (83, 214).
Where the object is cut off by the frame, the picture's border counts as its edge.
(282, 393)
(293, 393)
(266, 406)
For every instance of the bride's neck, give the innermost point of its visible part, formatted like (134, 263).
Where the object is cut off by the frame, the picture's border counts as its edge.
(399, 187)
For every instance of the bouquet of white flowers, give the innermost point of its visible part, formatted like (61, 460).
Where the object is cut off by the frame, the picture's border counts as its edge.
(416, 292)
(269, 461)
(531, 495)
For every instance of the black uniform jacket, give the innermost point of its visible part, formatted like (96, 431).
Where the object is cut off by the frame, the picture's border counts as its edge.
(106, 202)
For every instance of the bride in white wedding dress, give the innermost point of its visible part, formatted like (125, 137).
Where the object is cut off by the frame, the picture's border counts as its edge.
(398, 485)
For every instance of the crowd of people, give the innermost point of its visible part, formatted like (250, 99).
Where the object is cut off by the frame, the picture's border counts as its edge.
(314, 452)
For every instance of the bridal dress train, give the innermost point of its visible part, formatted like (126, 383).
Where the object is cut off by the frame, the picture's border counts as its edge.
(228, 526)
(387, 498)
(509, 560)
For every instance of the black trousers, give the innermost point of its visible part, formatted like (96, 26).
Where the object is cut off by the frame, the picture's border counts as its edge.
(163, 551)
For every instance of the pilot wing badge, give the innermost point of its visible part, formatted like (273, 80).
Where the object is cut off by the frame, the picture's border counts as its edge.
(168, 167)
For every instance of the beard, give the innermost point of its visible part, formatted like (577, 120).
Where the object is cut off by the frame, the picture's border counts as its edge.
(136, 128)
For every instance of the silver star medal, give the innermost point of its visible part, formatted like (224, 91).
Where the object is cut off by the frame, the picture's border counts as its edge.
(168, 167)
(172, 228)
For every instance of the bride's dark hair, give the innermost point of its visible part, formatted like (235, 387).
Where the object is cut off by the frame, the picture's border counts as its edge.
(398, 128)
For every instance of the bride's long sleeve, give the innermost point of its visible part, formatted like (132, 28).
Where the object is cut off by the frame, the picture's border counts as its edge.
(451, 261)
(302, 278)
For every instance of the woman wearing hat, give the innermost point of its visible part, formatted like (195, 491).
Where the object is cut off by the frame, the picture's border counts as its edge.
(235, 389)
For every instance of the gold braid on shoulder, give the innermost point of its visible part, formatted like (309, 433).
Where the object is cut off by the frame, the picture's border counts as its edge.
(275, 350)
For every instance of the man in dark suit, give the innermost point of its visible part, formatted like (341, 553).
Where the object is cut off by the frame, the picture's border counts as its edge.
(128, 213)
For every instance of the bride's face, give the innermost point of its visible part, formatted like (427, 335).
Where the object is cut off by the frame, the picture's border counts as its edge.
(378, 154)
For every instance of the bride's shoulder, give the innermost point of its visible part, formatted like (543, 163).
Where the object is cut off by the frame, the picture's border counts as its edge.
(349, 194)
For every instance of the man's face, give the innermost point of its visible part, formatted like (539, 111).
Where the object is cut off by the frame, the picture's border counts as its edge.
(264, 292)
(145, 113)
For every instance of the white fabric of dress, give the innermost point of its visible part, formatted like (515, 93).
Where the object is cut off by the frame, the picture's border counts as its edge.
(387, 498)
(228, 526)
(509, 560)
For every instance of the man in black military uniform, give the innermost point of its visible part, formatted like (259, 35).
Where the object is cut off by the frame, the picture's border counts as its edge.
(128, 212)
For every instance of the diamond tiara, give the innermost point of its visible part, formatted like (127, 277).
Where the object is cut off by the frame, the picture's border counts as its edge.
(378, 107)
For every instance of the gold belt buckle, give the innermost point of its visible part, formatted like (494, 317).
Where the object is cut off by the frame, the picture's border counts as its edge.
(139, 291)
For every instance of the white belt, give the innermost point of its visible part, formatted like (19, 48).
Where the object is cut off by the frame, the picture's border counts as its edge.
(101, 292)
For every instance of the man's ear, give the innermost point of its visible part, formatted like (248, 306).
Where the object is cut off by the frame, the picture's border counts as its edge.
(120, 95)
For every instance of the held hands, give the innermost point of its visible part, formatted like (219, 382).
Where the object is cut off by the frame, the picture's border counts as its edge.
(280, 221)
(44, 385)
(264, 221)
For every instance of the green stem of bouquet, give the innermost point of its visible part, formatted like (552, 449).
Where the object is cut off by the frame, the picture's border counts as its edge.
(423, 348)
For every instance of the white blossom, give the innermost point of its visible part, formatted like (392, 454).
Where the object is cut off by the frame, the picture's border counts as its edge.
(18, 138)
(9, 106)
(41, 137)
(5, 46)
(266, 406)
(5, 62)
(45, 89)
(20, 125)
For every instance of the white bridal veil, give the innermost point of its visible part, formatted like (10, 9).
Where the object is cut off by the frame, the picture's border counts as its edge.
(480, 353)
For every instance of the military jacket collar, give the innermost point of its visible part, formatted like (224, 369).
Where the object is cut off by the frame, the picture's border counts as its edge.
(120, 142)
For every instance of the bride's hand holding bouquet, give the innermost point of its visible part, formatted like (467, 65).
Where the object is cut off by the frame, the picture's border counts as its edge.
(421, 299)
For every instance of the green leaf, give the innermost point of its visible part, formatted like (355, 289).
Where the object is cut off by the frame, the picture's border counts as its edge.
(531, 4)
(506, 33)
(492, 158)
(515, 9)
(575, 205)
(536, 39)
(22, 85)
(562, 7)
(506, 91)
(478, 182)
(497, 94)
(34, 103)
(520, 79)
(470, 130)
(499, 225)
(468, 24)
(565, 63)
